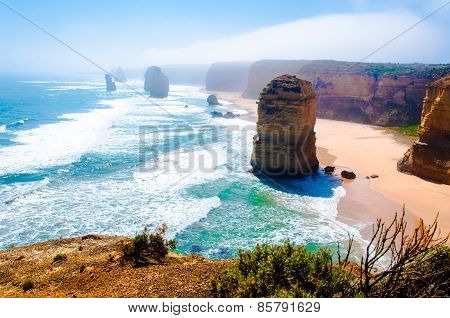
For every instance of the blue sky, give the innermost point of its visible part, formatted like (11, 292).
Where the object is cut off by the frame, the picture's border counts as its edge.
(136, 33)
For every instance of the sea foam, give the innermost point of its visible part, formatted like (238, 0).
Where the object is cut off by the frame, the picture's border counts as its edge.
(62, 142)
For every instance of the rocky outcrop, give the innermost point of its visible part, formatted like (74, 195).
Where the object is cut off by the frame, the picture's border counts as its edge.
(429, 157)
(228, 76)
(227, 115)
(110, 85)
(375, 93)
(156, 83)
(216, 114)
(284, 145)
(212, 100)
(329, 169)
(348, 174)
(230, 115)
(119, 75)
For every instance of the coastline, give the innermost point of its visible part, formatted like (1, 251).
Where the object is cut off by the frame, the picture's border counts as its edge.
(369, 150)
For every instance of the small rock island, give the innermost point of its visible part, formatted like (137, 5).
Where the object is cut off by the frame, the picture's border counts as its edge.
(429, 156)
(156, 82)
(284, 145)
(212, 100)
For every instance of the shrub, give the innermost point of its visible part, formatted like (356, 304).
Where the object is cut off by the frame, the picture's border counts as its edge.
(419, 266)
(285, 271)
(419, 263)
(27, 285)
(147, 245)
(59, 257)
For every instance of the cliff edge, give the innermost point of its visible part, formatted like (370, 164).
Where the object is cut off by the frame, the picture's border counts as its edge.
(92, 266)
(384, 94)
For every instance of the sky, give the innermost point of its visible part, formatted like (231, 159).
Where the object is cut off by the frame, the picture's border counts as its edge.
(137, 33)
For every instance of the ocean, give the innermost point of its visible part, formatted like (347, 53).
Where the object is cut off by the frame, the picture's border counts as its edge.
(75, 159)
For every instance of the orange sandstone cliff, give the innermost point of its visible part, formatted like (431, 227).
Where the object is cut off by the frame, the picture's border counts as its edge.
(374, 93)
(429, 157)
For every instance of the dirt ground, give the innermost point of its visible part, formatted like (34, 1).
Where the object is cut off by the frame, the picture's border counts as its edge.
(94, 267)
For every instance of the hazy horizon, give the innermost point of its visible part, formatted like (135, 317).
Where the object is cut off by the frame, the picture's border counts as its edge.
(138, 34)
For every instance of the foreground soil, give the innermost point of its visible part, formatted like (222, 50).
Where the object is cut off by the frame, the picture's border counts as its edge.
(94, 267)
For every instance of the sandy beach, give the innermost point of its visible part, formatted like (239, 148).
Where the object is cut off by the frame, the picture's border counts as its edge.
(370, 150)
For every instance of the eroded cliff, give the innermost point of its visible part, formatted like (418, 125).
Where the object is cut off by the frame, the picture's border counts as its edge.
(429, 157)
(375, 93)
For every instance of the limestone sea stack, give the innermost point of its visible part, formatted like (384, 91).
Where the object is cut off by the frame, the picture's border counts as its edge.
(156, 82)
(119, 74)
(285, 141)
(110, 85)
(429, 157)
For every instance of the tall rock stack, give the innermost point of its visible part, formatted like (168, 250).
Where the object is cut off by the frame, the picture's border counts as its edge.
(429, 157)
(156, 82)
(285, 143)
(110, 85)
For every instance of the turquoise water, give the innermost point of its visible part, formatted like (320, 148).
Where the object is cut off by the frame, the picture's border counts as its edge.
(71, 163)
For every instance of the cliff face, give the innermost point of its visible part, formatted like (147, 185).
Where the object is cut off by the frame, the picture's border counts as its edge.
(110, 85)
(375, 93)
(228, 76)
(285, 141)
(429, 157)
(156, 83)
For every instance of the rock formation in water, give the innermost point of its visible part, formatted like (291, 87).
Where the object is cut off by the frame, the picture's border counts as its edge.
(156, 83)
(228, 76)
(429, 157)
(216, 114)
(329, 169)
(119, 75)
(110, 85)
(284, 144)
(375, 93)
(230, 115)
(227, 115)
(212, 100)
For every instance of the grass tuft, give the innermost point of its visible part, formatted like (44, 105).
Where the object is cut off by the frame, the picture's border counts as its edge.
(59, 257)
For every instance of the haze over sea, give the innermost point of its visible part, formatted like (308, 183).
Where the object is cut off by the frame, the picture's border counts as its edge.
(70, 165)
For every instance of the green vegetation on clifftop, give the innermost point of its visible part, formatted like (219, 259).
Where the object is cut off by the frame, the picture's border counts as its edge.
(411, 131)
